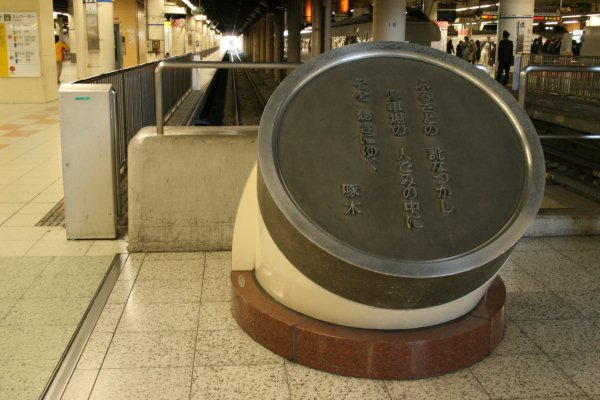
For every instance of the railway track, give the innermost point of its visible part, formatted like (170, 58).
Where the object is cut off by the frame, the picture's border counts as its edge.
(571, 162)
(245, 102)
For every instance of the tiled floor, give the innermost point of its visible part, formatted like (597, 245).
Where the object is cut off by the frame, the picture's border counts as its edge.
(167, 333)
(42, 300)
(46, 282)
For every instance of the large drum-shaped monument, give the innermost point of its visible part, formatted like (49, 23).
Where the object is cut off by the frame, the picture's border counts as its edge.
(393, 181)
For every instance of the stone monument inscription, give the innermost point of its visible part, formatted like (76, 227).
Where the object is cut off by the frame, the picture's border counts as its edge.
(428, 168)
(391, 162)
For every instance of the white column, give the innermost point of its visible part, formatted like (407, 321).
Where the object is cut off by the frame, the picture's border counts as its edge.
(104, 60)
(178, 37)
(516, 17)
(72, 34)
(155, 16)
(198, 37)
(389, 20)
(80, 38)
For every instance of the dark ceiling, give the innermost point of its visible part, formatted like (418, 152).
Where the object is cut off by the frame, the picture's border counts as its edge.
(60, 5)
(237, 15)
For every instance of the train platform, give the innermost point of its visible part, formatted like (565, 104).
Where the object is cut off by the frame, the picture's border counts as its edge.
(167, 331)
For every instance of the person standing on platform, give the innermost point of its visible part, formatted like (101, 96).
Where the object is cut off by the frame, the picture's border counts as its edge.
(467, 50)
(449, 47)
(59, 48)
(535, 46)
(473, 59)
(575, 48)
(485, 52)
(505, 58)
(459, 48)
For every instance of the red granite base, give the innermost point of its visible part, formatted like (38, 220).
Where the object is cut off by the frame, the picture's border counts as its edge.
(366, 353)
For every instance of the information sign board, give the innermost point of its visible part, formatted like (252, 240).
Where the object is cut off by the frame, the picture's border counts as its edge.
(19, 45)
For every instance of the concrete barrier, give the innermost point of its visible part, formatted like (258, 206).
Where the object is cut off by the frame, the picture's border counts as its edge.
(184, 186)
(565, 222)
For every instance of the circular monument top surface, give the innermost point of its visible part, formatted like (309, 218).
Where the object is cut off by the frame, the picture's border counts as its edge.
(400, 159)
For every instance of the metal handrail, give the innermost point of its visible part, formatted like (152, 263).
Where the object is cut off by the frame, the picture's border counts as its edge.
(557, 59)
(523, 76)
(201, 64)
(569, 137)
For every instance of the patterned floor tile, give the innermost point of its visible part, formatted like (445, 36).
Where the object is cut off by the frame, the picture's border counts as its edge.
(523, 376)
(143, 383)
(255, 382)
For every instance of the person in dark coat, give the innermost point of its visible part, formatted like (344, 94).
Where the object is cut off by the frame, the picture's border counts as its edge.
(505, 58)
(575, 48)
(449, 47)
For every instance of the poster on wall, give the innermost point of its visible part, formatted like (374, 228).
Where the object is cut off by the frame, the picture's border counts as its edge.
(19, 45)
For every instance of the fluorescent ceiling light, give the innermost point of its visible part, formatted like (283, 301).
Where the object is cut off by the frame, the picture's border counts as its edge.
(477, 7)
(581, 15)
(190, 5)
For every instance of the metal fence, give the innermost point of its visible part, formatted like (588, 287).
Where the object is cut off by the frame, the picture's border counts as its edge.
(135, 104)
(584, 85)
(134, 88)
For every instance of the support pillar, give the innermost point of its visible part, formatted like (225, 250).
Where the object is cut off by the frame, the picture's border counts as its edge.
(317, 22)
(326, 26)
(247, 44)
(178, 37)
(294, 19)
(262, 33)
(516, 17)
(255, 43)
(155, 15)
(199, 38)
(389, 20)
(278, 43)
(142, 35)
(72, 33)
(104, 60)
(342, 9)
(270, 42)
(80, 38)
(430, 8)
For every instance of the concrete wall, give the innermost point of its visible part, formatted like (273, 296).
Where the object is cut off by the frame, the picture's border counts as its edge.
(184, 187)
(44, 88)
